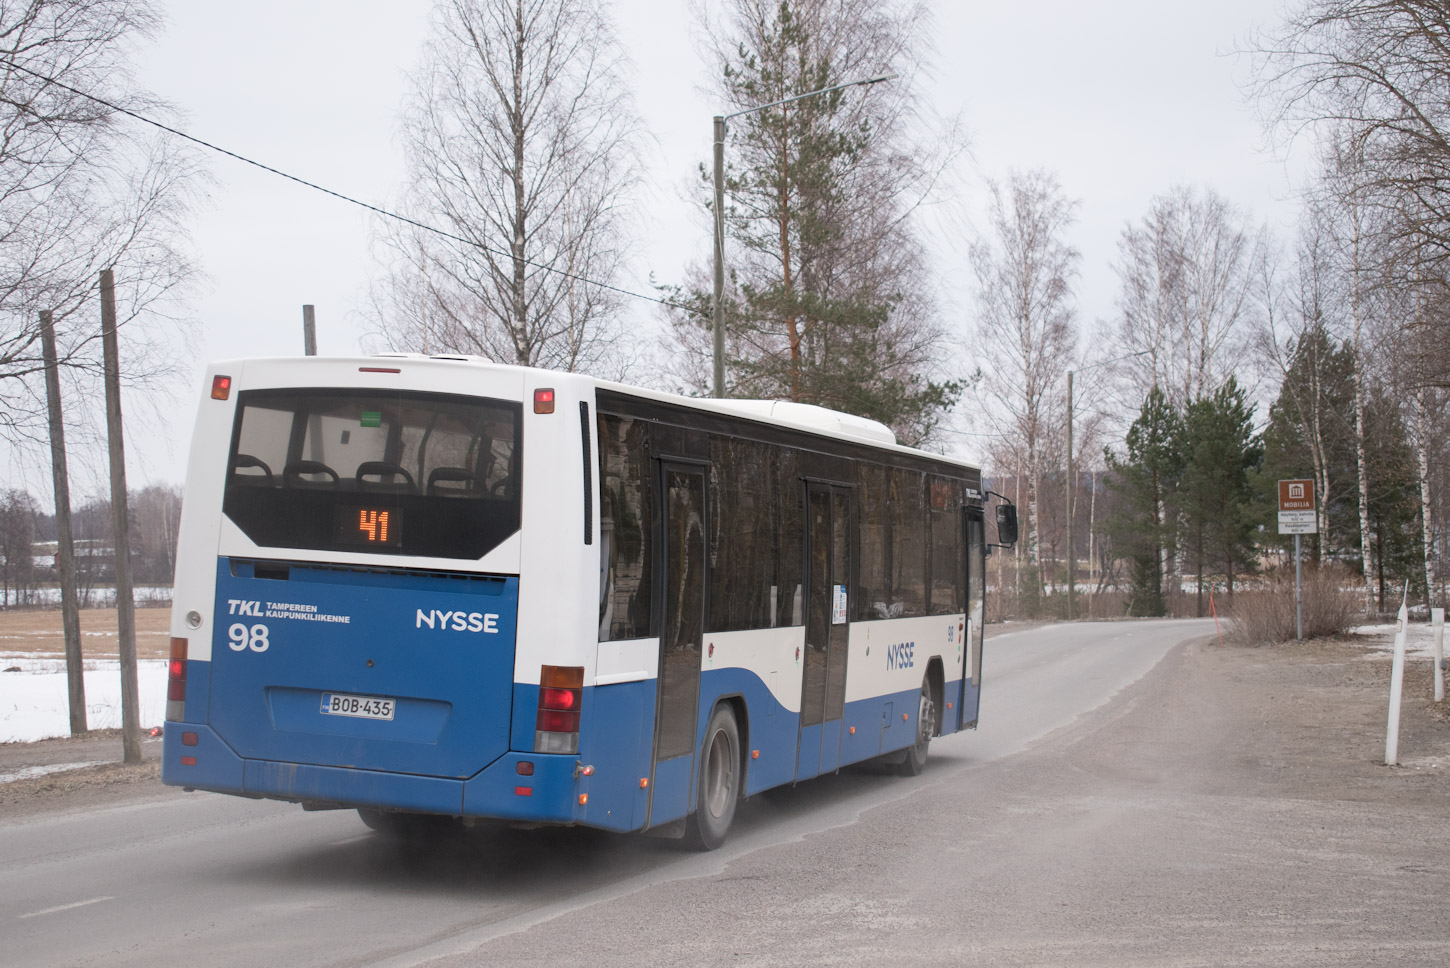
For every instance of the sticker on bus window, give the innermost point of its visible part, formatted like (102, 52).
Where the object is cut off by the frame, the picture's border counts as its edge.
(838, 604)
(371, 418)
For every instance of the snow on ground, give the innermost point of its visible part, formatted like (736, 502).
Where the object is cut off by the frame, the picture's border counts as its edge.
(99, 597)
(1419, 640)
(34, 701)
(31, 772)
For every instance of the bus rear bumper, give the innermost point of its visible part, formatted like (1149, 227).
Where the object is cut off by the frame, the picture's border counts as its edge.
(548, 794)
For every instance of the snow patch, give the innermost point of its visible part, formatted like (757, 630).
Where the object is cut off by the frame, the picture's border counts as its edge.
(1419, 640)
(31, 772)
(35, 702)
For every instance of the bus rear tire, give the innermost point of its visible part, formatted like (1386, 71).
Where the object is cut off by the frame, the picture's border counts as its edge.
(915, 759)
(718, 791)
(409, 826)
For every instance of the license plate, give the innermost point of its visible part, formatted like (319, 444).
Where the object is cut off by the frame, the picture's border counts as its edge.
(361, 707)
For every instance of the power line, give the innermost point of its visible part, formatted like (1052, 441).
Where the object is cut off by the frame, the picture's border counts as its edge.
(339, 195)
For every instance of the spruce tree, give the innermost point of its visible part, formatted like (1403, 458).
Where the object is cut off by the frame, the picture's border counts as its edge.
(1146, 479)
(1215, 495)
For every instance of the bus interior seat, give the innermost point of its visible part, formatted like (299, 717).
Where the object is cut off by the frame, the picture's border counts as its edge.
(299, 473)
(441, 481)
(381, 475)
(264, 479)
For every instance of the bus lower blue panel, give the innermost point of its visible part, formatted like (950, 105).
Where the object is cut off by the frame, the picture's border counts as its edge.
(971, 702)
(198, 691)
(437, 650)
(552, 790)
(899, 726)
(525, 719)
(671, 790)
(865, 742)
(617, 732)
(300, 781)
(809, 762)
(830, 745)
(769, 728)
(212, 765)
(949, 716)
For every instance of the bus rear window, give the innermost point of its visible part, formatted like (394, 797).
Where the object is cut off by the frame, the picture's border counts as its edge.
(425, 474)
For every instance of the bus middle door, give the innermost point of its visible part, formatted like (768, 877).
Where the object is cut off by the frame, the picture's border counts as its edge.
(682, 626)
(828, 583)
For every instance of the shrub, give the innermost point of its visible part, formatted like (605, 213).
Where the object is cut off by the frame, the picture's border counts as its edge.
(1264, 612)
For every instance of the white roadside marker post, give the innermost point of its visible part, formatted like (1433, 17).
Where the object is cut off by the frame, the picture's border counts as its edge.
(1397, 676)
(1437, 621)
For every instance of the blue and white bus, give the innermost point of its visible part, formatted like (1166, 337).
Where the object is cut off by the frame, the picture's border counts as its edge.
(436, 587)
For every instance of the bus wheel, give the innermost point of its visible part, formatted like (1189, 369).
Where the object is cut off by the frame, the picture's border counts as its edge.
(915, 760)
(409, 826)
(719, 788)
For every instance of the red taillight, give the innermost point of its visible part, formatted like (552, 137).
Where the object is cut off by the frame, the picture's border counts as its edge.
(558, 698)
(558, 721)
(221, 387)
(561, 693)
(176, 681)
(544, 401)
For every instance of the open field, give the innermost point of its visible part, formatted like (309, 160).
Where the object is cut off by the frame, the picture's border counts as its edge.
(37, 633)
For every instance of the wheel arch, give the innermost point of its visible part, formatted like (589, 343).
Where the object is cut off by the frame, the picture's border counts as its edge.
(936, 682)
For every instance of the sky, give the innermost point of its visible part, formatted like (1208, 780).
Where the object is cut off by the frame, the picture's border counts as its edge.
(1122, 100)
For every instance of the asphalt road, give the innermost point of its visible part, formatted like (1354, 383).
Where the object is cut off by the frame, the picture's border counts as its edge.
(1095, 818)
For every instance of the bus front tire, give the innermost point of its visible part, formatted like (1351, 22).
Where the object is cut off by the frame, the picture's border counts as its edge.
(718, 791)
(915, 759)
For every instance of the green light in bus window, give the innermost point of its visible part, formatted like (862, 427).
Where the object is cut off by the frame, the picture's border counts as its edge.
(371, 418)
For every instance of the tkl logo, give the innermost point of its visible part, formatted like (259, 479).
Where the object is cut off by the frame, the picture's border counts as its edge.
(902, 655)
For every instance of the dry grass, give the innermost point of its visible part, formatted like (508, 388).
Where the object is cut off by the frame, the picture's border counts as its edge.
(1265, 613)
(38, 632)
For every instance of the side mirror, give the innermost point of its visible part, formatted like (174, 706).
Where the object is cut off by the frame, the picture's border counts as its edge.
(1006, 525)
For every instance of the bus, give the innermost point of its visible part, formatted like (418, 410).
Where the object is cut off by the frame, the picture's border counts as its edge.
(437, 589)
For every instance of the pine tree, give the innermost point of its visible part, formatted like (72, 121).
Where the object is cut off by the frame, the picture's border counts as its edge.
(828, 298)
(1146, 479)
(1215, 495)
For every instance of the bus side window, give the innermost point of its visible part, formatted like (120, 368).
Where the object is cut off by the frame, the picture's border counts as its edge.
(625, 545)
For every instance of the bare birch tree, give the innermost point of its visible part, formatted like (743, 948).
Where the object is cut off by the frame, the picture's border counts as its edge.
(82, 190)
(1025, 270)
(1372, 75)
(1185, 274)
(520, 138)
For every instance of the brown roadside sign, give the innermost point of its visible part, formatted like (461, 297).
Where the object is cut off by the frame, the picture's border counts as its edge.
(1296, 495)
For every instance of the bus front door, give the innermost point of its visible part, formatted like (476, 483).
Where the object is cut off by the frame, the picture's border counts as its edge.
(828, 583)
(976, 548)
(682, 592)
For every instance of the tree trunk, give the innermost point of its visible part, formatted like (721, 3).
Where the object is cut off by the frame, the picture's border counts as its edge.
(1422, 454)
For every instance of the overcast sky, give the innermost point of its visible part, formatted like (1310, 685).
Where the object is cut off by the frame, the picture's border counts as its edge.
(1122, 99)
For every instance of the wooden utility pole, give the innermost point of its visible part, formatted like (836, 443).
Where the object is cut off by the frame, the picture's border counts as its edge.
(125, 604)
(65, 555)
(309, 331)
